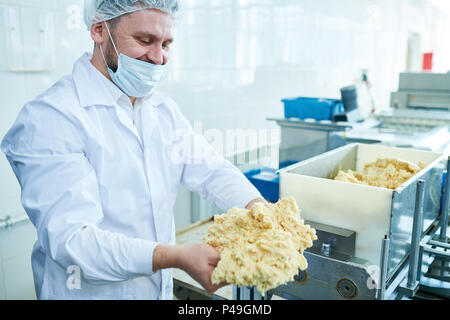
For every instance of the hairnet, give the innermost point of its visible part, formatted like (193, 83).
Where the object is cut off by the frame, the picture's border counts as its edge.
(103, 10)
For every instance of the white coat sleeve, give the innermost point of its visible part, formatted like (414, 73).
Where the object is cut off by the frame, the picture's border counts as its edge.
(209, 174)
(61, 197)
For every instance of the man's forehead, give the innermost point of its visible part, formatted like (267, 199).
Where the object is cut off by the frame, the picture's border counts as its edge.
(149, 21)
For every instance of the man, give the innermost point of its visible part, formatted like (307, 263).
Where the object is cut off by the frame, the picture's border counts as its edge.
(97, 158)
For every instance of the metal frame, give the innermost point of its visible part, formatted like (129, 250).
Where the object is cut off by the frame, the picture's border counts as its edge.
(410, 286)
(385, 247)
(435, 247)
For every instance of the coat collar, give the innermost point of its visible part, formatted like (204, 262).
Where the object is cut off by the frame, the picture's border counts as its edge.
(94, 88)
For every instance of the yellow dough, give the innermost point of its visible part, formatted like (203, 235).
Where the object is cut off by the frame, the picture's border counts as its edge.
(384, 173)
(260, 247)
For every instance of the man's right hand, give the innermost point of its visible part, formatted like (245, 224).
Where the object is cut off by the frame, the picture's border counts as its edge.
(199, 261)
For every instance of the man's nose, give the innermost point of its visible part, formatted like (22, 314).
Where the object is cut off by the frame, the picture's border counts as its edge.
(155, 55)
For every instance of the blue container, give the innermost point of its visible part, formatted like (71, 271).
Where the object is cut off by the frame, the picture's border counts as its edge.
(267, 181)
(312, 108)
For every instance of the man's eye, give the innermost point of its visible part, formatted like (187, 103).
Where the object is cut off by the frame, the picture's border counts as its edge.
(146, 41)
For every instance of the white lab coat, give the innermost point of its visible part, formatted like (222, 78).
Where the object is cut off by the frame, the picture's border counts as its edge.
(99, 184)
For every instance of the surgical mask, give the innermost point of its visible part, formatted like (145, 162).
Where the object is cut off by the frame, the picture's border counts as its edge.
(134, 77)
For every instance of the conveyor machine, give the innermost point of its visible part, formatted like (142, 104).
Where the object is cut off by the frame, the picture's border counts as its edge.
(373, 243)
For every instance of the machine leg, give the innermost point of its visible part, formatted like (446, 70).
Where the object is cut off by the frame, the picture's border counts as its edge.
(412, 285)
(384, 266)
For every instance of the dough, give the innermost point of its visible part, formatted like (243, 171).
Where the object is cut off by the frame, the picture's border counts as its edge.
(260, 247)
(384, 173)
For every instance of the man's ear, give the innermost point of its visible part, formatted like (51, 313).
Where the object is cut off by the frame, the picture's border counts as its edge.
(97, 31)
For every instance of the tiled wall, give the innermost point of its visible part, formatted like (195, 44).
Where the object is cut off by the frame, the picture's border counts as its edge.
(232, 63)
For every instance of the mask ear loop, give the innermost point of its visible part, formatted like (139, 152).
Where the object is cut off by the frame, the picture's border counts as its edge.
(101, 50)
(112, 41)
(110, 36)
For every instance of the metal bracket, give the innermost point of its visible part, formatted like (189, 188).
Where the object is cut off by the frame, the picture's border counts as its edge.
(405, 290)
(333, 242)
(410, 285)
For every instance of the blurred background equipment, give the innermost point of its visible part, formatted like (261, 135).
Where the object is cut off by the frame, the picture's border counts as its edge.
(419, 116)
(351, 112)
(318, 109)
(307, 128)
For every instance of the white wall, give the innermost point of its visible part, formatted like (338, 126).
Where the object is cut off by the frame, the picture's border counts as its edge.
(232, 63)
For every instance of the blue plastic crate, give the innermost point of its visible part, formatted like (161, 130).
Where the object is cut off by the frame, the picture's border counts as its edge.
(267, 181)
(312, 108)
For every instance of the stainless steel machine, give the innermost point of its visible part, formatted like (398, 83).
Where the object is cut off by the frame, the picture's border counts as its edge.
(373, 243)
(422, 90)
(419, 116)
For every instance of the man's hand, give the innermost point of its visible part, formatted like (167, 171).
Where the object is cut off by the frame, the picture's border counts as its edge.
(250, 205)
(199, 261)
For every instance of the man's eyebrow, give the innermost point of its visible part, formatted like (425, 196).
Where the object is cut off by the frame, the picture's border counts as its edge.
(151, 35)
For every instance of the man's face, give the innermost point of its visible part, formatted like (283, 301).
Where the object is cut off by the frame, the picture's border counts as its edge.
(145, 35)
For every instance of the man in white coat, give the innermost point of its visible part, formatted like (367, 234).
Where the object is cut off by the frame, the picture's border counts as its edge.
(100, 156)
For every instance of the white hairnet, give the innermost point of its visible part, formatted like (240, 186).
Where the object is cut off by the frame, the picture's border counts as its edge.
(103, 10)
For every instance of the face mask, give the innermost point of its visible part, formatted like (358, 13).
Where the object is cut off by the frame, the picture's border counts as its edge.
(134, 77)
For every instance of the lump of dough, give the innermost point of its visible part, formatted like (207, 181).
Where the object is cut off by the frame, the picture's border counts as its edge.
(260, 247)
(384, 173)
(349, 176)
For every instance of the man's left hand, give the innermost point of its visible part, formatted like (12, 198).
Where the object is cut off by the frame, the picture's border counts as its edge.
(248, 207)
